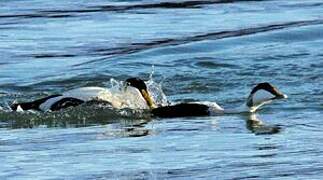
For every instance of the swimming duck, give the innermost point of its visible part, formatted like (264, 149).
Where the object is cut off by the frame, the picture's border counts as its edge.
(261, 94)
(82, 95)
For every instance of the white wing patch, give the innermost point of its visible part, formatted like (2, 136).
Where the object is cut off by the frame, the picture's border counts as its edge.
(48, 104)
(84, 94)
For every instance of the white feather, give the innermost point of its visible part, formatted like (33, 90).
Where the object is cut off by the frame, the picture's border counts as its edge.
(86, 93)
(261, 96)
(19, 109)
(48, 104)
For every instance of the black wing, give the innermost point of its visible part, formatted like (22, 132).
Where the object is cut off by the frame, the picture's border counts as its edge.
(65, 103)
(33, 104)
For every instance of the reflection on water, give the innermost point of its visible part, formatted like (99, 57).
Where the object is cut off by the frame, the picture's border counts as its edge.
(126, 132)
(258, 127)
(80, 116)
(118, 124)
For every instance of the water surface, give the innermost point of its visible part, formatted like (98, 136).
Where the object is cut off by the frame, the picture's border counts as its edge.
(207, 50)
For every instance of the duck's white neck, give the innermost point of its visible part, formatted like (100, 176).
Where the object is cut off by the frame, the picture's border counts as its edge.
(244, 108)
(241, 109)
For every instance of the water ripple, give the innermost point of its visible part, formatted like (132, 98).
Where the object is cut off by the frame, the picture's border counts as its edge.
(137, 47)
(120, 8)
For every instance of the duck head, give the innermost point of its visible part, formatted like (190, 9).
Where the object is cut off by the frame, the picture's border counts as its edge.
(141, 86)
(263, 93)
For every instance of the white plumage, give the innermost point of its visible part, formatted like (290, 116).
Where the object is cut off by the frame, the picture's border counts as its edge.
(129, 97)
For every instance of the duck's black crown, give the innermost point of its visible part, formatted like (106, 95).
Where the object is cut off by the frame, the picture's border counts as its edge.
(137, 83)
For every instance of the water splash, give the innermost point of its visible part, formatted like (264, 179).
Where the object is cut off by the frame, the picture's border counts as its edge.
(123, 96)
(156, 91)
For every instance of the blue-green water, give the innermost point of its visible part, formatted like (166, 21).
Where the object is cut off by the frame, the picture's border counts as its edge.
(201, 51)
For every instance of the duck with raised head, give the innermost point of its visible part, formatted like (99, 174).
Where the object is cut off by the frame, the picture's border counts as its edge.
(261, 94)
(78, 96)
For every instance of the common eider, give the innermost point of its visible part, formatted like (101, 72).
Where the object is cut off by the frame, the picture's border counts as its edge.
(82, 95)
(261, 94)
